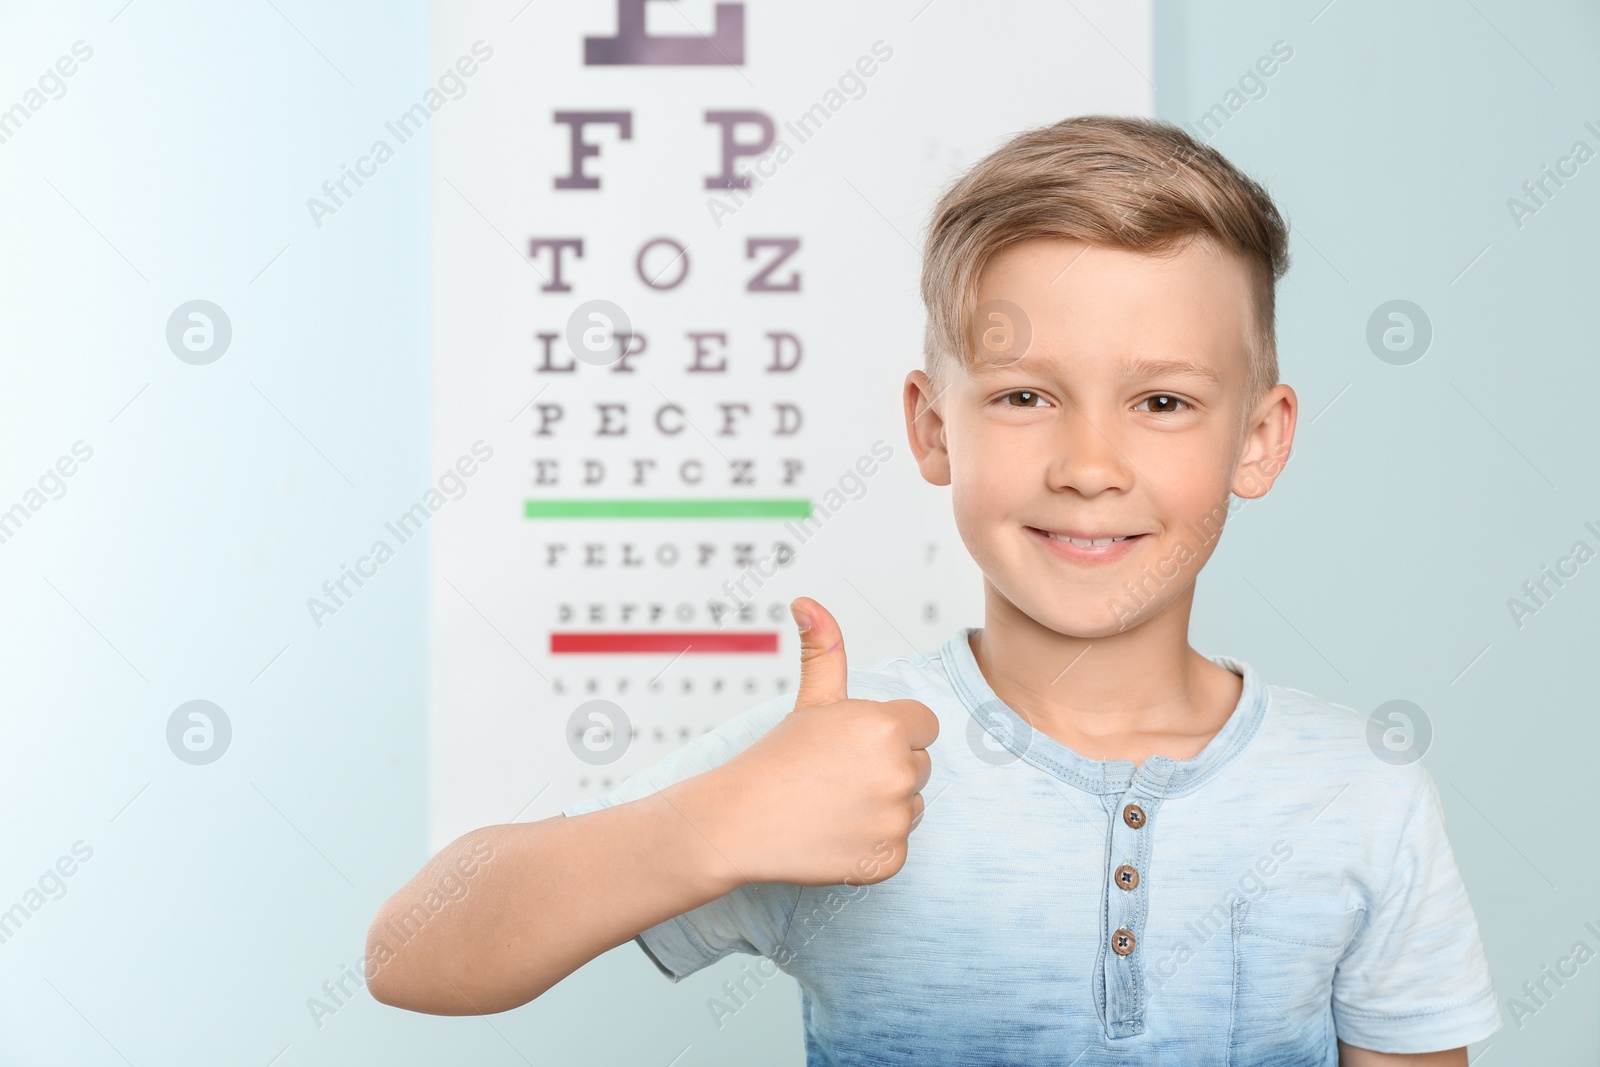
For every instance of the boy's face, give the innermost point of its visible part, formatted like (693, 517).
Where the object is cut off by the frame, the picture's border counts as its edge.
(1125, 416)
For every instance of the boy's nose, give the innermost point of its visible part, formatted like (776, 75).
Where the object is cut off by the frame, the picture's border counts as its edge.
(1085, 456)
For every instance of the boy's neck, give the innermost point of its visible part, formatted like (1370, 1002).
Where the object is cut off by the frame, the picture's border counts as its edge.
(1128, 695)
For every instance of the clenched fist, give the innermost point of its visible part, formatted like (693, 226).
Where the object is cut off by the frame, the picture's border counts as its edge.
(832, 791)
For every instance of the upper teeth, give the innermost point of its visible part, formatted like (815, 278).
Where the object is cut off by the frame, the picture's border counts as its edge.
(1096, 543)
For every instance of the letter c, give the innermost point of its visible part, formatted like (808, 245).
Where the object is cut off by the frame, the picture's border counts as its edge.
(662, 426)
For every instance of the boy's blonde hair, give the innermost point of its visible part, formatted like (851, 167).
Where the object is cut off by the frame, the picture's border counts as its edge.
(1132, 183)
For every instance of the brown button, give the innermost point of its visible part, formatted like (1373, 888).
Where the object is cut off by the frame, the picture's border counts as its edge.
(1133, 815)
(1127, 877)
(1122, 942)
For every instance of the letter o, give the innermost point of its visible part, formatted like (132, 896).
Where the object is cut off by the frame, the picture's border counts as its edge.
(683, 253)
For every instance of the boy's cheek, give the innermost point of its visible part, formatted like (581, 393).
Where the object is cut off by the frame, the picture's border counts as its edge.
(980, 503)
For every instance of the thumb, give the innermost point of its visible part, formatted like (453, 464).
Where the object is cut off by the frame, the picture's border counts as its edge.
(823, 670)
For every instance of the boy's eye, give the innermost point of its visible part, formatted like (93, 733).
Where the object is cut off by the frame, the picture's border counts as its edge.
(1162, 403)
(1028, 398)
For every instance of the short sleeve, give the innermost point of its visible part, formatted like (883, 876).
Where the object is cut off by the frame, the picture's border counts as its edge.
(752, 918)
(1415, 978)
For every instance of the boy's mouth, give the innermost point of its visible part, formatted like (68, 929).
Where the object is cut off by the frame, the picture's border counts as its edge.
(1086, 545)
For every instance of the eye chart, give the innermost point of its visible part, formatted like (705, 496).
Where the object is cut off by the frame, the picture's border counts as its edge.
(674, 271)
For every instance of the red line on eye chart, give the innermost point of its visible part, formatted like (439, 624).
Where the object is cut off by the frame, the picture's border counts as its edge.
(672, 641)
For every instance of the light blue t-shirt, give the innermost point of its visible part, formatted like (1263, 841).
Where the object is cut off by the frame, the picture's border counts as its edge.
(1243, 908)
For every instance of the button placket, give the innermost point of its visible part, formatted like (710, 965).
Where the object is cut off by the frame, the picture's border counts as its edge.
(1126, 904)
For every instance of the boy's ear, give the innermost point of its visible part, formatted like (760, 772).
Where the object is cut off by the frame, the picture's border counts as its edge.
(925, 429)
(1269, 436)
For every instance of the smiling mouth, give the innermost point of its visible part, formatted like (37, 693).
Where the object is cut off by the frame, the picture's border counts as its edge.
(1085, 542)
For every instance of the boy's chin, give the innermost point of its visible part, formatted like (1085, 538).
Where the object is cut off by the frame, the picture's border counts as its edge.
(1087, 622)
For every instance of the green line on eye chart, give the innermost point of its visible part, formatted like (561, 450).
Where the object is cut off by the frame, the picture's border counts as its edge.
(727, 508)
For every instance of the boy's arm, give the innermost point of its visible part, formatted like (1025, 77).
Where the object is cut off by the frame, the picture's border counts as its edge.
(1350, 1056)
(542, 899)
(503, 913)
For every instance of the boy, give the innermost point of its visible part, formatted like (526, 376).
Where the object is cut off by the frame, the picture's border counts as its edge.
(1129, 853)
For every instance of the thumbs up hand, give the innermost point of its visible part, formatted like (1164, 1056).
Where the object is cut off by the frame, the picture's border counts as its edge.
(833, 790)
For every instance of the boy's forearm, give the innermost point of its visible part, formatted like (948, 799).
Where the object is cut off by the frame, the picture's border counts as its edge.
(543, 899)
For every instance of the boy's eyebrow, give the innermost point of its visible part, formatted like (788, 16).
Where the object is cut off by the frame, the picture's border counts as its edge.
(1142, 367)
(1153, 368)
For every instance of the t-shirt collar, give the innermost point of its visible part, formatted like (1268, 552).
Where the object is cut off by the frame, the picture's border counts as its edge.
(1156, 776)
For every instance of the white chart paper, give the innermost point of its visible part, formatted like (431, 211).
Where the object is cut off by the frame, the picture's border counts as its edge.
(765, 334)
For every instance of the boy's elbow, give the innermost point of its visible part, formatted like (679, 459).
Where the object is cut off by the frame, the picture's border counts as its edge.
(402, 979)
(386, 981)
(398, 976)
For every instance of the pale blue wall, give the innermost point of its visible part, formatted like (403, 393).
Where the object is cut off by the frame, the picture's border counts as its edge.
(175, 567)
(1424, 497)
